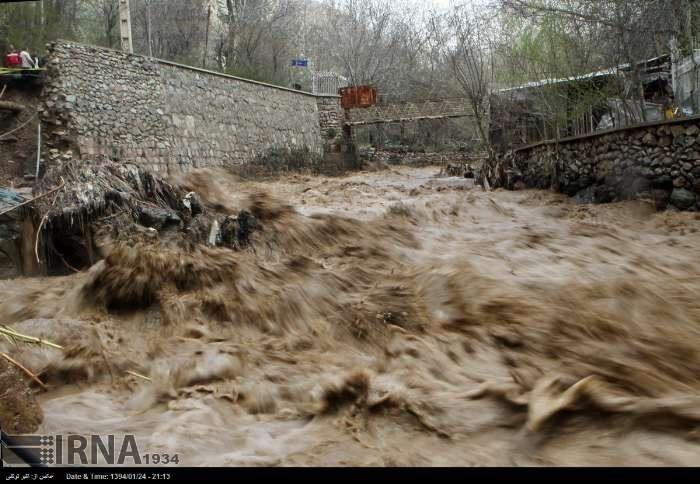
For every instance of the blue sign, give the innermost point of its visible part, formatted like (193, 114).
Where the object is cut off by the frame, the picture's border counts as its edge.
(300, 62)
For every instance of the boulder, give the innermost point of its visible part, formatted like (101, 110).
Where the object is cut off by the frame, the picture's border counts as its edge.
(677, 130)
(587, 195)
(679, 182)
(158, 218)
(683, 199)
(649, 139)
(663, 182)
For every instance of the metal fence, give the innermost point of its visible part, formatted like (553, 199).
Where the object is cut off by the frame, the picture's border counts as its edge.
(327, 83)
(686, 77)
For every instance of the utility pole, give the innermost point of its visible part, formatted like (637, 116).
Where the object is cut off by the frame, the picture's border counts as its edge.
(148, 27)
(125, 26)
(206, 39)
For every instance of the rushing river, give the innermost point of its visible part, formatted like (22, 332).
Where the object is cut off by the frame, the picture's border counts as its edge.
(384, 318)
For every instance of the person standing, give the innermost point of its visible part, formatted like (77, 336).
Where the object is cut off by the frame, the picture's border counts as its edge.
(27, 61)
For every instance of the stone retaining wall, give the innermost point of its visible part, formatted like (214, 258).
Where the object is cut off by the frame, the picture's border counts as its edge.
(100, 103)
(413, 158)
(660, 161)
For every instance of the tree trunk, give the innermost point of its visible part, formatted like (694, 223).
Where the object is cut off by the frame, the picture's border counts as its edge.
(10, 106)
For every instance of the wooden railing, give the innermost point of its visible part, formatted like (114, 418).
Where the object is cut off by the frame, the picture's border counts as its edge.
(408, 111)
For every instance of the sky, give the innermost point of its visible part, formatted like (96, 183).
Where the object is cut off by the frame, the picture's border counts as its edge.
(439, 4)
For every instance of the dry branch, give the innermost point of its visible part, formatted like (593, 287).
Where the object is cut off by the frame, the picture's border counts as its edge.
(24, 369)
(4, 330)
(138, 375)
(10, 106)
(32, 199)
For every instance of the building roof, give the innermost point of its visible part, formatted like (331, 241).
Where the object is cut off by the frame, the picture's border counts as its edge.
(651, 65)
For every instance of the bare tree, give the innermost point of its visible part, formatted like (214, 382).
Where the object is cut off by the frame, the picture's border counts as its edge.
(465, 36)
(256, 37)
(106, 12)
(170, 29)
(362, 32)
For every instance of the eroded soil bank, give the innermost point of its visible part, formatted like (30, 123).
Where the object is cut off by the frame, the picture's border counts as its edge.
(386, 318)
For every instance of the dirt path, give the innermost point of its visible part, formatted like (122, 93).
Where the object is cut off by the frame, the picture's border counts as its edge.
(387, 318)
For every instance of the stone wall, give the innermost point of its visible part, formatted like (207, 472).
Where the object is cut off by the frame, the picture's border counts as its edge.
(659, 161)
(404, 156)
(331, 117)
(106, 104)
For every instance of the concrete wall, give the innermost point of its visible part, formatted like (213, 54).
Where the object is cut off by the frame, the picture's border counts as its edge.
(101, 103)
(660, 161)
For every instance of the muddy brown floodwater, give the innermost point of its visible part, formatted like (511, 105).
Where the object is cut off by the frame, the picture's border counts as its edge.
(385, 318)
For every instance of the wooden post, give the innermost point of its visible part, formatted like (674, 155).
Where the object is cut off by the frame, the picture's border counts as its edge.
(88, 238)
(38, 150)
(30, 266)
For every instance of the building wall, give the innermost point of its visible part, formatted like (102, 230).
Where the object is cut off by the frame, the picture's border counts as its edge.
(659, 161)
(106, 104)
